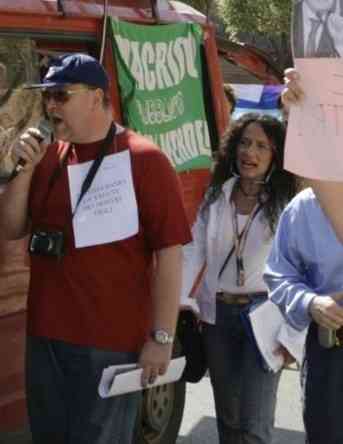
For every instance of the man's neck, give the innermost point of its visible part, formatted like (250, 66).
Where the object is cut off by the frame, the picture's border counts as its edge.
(98, 130)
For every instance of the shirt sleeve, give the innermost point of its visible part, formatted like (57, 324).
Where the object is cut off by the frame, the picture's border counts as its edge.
(161, 208)
(194, 258)
(285, 274)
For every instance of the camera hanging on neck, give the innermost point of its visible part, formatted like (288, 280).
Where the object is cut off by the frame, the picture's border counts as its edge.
(52, 243)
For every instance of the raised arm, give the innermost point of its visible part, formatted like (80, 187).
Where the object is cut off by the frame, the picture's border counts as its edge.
(14, 220)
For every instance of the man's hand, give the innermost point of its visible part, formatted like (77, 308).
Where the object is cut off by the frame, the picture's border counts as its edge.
(325, 311)
(154, 359)
(293, 93)
(29, 149)
(335, 26)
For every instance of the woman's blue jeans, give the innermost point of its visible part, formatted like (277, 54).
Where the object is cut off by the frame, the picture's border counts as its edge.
(244, 393)
(62, 395)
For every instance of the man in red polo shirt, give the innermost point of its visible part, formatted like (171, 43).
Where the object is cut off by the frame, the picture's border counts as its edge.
(93, 206)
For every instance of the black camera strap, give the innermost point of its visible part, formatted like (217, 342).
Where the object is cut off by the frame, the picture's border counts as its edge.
(96, 165)
(104, 149)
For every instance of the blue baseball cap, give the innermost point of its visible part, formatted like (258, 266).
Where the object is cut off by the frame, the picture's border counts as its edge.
(74, 68)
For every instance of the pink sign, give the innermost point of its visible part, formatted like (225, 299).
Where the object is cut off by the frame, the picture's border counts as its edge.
(314, 144)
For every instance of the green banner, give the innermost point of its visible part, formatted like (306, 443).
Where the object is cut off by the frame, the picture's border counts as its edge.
(160, 79)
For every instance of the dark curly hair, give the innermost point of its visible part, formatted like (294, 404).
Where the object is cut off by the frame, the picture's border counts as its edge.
(281, 186)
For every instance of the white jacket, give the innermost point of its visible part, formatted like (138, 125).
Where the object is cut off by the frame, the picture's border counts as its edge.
(212, 241)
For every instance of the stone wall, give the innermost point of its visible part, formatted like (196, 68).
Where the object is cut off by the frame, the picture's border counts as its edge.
(19, 108)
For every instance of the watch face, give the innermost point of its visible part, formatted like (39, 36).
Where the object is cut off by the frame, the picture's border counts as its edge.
(162, 337)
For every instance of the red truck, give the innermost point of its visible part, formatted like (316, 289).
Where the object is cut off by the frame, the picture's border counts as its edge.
(30, 32)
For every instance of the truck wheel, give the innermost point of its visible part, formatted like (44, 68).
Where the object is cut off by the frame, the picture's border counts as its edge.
(161, 414)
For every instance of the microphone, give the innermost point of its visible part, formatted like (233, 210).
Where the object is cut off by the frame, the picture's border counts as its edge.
(43, 133)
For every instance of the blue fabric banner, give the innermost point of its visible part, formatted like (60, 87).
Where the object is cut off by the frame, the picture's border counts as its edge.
(257, 98)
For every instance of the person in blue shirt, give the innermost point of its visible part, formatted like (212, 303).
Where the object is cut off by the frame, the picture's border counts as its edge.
(304, 273)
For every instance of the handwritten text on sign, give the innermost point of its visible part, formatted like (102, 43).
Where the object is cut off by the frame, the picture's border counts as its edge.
(314, 145)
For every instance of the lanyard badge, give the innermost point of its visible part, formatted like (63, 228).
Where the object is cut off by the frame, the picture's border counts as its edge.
(240, 278)
(240, 240)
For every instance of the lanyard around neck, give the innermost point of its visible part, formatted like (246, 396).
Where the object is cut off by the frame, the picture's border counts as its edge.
(240, 239)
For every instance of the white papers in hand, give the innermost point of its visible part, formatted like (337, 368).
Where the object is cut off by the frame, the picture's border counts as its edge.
(293, 340)
(266, 320)
(120, 379)
(270, 329)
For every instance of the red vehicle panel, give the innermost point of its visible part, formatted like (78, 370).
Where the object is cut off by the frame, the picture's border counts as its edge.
(77, 25)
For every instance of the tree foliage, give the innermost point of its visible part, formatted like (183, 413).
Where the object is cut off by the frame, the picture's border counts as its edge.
(259, 16)
(200, 5)
(263, 23)
(271, 17)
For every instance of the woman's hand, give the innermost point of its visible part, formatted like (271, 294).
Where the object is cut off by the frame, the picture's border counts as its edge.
(293, 93)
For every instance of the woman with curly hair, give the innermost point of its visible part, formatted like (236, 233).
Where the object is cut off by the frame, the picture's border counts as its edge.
(232, 235)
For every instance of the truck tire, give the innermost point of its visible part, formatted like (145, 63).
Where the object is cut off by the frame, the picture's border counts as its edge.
(161, 414)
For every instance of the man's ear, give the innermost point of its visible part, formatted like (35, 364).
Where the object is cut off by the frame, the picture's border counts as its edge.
(98, 97)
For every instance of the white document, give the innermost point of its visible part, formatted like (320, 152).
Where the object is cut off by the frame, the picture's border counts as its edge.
(270, 329)
(293, 340)
(120, 379)
(266, 320)
(108, 211)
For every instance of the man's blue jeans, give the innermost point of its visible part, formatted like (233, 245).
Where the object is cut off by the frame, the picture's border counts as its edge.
(244, 393)
(62, 395)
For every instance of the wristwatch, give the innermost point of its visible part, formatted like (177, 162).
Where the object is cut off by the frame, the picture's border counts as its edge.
(162, 337)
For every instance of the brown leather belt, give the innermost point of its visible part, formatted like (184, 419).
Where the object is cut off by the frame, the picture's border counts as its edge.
(239, 298)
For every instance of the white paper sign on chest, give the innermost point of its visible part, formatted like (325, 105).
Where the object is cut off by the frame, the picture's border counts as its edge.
(108, 211)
